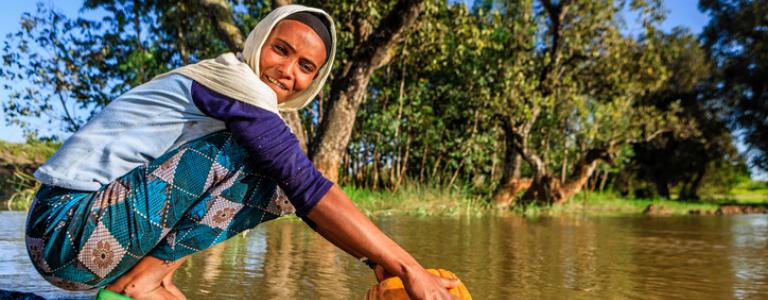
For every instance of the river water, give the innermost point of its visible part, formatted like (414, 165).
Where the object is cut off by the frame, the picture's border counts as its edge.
(510, 257)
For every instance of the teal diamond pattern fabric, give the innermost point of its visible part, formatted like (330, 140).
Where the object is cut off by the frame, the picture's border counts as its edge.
(183, 202)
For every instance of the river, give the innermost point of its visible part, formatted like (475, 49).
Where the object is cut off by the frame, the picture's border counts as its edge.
(497, 257)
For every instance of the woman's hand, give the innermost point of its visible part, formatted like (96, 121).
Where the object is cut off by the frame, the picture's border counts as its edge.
(339, 221)
(421, 284)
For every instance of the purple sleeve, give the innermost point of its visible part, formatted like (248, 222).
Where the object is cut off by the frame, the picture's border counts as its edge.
(271, 145)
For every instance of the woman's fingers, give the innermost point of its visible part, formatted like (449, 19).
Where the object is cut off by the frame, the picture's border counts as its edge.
(381, 273)
(449, 283)
(425, 285)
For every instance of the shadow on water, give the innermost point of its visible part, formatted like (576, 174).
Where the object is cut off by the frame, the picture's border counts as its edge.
(685, 257)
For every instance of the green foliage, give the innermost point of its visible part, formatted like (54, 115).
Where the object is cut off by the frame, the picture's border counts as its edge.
(562, 75)
(700, 152)
(22, 188)
(419, 200)
(737, 37)
(63, 70)
(743, 190)
(17, 161)
(52, 69)
(746, 184)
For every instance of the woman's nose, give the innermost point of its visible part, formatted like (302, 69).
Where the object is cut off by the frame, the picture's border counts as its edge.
(288, 68)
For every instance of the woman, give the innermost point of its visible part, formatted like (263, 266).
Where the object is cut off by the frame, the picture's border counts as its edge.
(194, 157)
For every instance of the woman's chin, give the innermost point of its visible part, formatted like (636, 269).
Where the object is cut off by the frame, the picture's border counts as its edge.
(282, 98)
(281, 95)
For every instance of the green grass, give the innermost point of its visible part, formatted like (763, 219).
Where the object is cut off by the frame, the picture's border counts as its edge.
(17, 189)
(412, 198)
(17, 186)
(746, 192)
(612, 204)
(35, 152)
(418, 200)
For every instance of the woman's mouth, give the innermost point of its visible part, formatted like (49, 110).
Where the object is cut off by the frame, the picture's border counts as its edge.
(275, 82)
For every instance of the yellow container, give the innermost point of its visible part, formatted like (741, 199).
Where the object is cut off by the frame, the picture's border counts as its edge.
(392, 288)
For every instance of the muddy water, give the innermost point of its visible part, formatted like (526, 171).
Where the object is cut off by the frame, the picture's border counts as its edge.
(697, 257)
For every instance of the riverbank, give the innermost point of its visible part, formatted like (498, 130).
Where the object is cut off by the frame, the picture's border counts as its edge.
(17, 163)
(17, 186)
(612, 204)
(419, 201)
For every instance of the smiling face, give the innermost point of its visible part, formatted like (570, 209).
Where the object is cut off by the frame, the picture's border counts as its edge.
(291, 58)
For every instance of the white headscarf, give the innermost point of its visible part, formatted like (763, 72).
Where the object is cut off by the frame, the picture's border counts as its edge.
(229, 76)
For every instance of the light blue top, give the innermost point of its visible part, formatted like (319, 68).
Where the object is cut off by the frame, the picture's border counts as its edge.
(132, 130)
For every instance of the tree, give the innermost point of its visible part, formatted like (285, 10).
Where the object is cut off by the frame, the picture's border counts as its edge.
(737, 37)
(421, 118)
(491, 99)
(686, 158)
(79, 65)
(349, 85)
(580, 95)
(52, 69)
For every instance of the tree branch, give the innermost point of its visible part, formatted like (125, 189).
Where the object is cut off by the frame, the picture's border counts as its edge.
(375, 49)
(220, 15)
(650, 137)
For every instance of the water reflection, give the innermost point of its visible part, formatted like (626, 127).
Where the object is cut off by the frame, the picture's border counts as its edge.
(280, 262)
(751, 271)
(502, 257)
(211, 266)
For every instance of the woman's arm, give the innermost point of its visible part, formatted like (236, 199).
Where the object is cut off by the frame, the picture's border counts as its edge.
(275, 150)
(340, 222)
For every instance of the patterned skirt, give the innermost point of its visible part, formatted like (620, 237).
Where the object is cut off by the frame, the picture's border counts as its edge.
(185, 201)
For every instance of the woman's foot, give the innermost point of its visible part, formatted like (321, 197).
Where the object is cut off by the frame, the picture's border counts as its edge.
(168, 285)
(149, 279)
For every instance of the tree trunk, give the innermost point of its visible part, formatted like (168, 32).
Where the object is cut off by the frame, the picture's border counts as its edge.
(435, 178)
(139, 47)
(549, 190)
(349, 89)
(423, 164)
(603, 180)
(376, 171)
(564, 165)
(583, 170)
(403, 164)
(545, 188)
(691, 193)
(662, 187)
(510, 184)
(181, 38)
(220, 14)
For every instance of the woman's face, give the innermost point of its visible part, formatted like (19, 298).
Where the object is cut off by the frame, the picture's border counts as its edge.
(291, 58)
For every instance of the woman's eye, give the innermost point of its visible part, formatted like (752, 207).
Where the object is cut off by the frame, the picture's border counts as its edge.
(307, 68)
(280, 49)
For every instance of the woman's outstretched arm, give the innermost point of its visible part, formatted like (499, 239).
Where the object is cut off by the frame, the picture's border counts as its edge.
(339, 221)
(275, 150)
